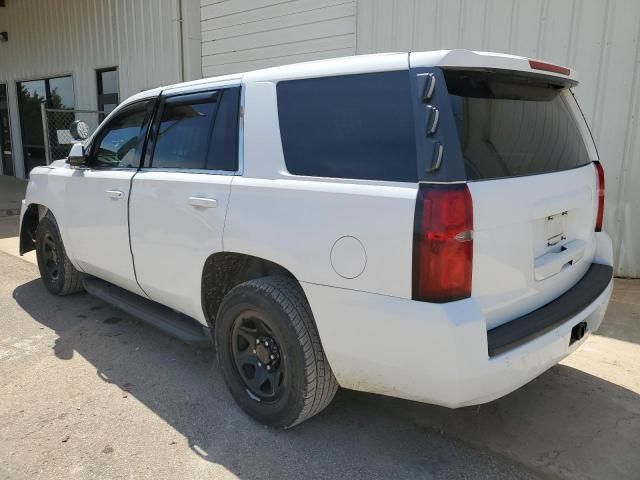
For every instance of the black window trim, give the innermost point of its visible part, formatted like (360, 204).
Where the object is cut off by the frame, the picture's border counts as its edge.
(146, 165)
(142, 137)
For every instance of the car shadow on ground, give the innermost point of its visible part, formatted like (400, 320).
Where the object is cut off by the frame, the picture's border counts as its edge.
(566, 423)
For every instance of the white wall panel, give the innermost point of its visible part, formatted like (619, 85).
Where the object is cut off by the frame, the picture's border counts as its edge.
(240, 35)
(599, 38)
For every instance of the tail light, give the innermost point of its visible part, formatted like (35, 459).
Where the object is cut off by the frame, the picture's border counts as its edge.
(443, 243)
(600, 215)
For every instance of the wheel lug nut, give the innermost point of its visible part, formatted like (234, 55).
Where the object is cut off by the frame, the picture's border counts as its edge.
(257, 341)
(254, 351)
(266, 344)
(268, 367)
(259, 364)
(272, 357)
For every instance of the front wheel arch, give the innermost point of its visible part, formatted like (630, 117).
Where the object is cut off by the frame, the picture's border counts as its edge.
(29, 225)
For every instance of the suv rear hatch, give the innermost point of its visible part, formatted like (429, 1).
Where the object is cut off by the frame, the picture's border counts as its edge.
(527, 158)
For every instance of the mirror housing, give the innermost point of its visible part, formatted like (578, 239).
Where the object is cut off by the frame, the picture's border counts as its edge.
(77, 156)
(79, 130)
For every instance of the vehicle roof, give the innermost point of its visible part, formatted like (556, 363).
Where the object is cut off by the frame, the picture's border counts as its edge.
(377, 62)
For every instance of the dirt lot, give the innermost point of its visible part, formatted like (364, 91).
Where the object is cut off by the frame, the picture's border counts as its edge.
(88, 392)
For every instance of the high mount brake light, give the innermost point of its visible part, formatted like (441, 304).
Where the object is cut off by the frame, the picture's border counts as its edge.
(549, 67)
(443, 243)
(600, 216)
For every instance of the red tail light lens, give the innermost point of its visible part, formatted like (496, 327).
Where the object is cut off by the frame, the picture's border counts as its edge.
(600, 215)
(443, 243)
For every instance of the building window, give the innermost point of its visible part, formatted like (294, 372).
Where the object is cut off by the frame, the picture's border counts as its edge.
(6, 156)
(55, 93)
(108, 90)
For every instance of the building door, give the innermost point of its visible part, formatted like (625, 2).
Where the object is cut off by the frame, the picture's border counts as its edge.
(6, 155)
(53, 93)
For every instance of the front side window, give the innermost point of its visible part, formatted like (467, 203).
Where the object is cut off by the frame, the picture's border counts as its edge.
(352, 126)
(116, 146)
(198, 132)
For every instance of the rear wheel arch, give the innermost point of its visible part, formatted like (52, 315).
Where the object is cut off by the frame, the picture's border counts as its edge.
(223, 271)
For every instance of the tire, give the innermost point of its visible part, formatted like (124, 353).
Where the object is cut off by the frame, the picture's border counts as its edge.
(272, 317)
(57, 273)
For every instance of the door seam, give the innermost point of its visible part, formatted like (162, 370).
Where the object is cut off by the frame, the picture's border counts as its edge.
(133, 260)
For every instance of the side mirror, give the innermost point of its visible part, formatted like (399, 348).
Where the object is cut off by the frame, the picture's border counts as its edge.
(77, 156)
(79, 130)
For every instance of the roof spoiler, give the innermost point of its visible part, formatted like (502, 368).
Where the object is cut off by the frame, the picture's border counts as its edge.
(469, 59)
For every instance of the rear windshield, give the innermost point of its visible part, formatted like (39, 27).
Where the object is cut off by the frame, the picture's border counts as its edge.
(513, 125)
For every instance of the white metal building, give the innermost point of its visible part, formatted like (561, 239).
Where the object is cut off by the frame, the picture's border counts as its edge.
(85, 54)
(72, 46)
(599, 38)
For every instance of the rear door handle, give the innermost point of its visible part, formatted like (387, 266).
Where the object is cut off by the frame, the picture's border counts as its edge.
(115, 193)
(203, 202)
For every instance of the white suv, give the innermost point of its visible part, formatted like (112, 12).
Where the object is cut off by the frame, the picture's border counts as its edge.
(423, 225)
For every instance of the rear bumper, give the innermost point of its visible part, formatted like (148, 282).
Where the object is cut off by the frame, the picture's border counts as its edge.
(434, 353)
(563, 309)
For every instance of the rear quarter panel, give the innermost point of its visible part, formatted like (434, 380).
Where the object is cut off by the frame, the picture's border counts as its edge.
(296, 223)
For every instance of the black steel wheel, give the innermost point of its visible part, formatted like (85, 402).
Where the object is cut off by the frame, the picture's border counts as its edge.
(57, 273)
(50, 256)
(270, 353)
(258, 356)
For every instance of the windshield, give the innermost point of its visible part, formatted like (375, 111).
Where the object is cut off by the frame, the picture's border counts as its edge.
(513, 125)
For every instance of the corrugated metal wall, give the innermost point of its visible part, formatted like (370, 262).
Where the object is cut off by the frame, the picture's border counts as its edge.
(58, 37)
(599, 38)
(239, 35)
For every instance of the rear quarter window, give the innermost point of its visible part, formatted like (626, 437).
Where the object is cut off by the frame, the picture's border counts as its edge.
(352, 126)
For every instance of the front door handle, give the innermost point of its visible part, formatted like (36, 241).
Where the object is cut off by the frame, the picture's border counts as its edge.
(203, 202)
(115, 193)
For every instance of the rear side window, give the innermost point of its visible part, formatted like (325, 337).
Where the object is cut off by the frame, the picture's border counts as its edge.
(513, 125)
(182, 139)
(199, 132)
(354, 126)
